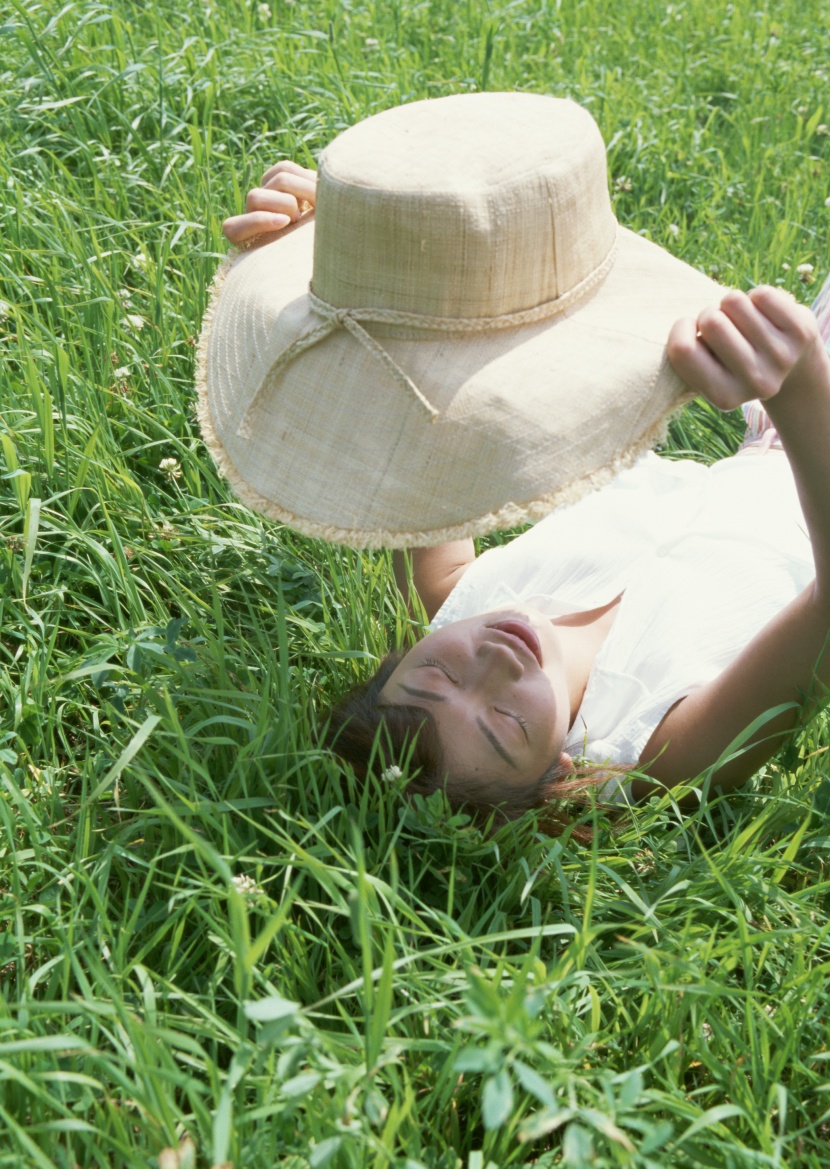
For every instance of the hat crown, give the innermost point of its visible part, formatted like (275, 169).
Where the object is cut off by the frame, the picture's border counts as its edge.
(469, 206)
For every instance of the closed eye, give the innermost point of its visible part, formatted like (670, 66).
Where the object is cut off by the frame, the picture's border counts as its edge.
(493, 740)
(516, 718)
(440, 666)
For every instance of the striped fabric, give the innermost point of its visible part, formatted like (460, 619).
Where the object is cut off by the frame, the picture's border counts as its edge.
(821, 307)
(761, 436)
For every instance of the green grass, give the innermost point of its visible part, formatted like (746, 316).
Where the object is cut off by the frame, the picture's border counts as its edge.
(207, 955)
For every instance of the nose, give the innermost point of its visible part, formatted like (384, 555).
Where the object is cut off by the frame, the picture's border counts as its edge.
(499, 660)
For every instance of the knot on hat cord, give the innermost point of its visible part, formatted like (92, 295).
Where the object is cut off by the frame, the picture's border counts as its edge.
(350, 318)
(333, 318)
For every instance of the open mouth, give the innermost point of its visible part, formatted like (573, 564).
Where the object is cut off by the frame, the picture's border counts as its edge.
(519, 631)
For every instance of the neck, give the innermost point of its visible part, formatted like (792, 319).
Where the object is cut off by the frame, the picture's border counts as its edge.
(582, 635)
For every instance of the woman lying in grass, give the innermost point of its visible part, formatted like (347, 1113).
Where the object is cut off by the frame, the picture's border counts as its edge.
(647, 625)
(688, 601)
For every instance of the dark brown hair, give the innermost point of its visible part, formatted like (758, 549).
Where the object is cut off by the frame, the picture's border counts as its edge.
(371, 736)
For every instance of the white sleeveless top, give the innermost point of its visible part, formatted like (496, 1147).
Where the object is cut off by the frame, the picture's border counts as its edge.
(704, 558)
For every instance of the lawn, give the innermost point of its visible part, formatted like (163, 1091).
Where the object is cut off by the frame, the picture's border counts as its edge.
(209, 956)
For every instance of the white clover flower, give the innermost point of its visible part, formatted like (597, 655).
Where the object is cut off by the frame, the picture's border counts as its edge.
(245, 885)
(122, 373)
(371, 43)
(805, 273)
(823, 130)
(391, 774)
(264, 11)
(801, 111)
(674, 230)
(623, 183)
(827, 202)
(707, 1032)
(172, 468)
(124, 295)
(136, 320)
(140, 260)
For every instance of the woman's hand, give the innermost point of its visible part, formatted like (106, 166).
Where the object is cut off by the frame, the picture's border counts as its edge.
(286, 190)
(748, 347)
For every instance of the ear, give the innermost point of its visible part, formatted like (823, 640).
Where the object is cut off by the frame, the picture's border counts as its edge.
(566, 764)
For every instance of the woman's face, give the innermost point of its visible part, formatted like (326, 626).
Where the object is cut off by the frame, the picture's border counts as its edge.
(497, 688)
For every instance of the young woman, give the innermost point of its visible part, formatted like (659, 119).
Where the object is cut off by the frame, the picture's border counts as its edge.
(674, 623)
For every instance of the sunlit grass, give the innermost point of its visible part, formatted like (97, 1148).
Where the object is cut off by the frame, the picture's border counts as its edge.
(206, 948)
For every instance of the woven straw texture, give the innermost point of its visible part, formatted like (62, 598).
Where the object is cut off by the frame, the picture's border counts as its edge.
(481, 341)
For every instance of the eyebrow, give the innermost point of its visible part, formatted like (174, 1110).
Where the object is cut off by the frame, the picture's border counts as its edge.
(495, 744)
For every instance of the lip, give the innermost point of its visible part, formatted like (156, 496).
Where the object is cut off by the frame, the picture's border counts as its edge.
(521, 633)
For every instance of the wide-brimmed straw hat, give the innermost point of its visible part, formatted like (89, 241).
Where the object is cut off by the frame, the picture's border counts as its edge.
(461, 337)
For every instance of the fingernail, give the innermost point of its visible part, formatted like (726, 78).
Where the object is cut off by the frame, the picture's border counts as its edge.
(280, 220)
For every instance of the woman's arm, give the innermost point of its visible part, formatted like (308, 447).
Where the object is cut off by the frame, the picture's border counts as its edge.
(763, 346)
(435, 571)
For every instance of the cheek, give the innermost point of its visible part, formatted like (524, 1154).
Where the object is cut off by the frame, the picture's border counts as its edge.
(552, 651)
(443, 641)
(550, 708)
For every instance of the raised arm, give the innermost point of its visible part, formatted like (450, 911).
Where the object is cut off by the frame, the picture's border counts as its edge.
(434, 571)
(763, 346)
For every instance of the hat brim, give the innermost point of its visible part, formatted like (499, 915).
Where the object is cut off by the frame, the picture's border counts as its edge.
(528, 418)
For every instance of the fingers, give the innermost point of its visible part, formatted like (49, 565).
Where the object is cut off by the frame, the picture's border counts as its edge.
(286, 192)
(783, 311)
(748, 319)
(293, 179)
(725, 354)
(697, 366)
(729, 336)
(275, 202)
(744, 348)
(241, 229)
(287, 165)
